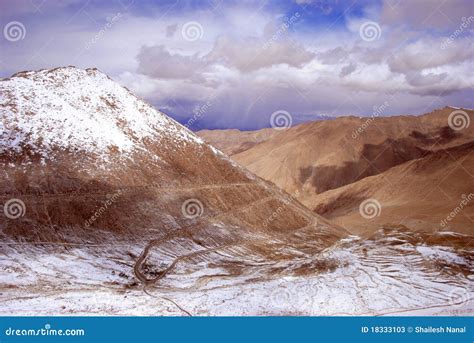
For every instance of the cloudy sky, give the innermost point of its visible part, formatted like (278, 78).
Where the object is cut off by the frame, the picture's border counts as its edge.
(231, 64)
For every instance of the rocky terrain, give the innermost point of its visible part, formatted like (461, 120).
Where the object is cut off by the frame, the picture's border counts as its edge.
(111, 207)
(418, 168)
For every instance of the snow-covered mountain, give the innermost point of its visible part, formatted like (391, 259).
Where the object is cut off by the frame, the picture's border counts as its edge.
(81, 110)
(69, 133)
(109, 206)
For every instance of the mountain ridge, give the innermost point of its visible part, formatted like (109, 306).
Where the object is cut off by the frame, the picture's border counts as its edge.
(314, 158)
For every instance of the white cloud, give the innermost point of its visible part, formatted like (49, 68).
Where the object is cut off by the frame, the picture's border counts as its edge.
(251, 71)
(158, 62)
(427, 53)
(254, 53)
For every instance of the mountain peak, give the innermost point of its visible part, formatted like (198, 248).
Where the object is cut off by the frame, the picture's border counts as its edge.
(82, 110)
(58, 73)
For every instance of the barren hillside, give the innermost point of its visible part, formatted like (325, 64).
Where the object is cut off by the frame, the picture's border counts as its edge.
(432, 193)
(312, 161)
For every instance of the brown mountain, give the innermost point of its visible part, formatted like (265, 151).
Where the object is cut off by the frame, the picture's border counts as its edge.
(314, 160)
(432, 193)
(85, 163)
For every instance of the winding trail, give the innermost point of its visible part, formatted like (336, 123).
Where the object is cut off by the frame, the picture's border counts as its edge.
(142, 277)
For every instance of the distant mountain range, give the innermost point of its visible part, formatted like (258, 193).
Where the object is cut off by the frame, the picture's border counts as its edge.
(418, 168)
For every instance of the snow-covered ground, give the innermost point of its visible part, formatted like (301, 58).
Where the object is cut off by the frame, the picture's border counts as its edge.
(362, 278)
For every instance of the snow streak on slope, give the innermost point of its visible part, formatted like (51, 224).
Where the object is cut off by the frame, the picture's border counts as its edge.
(79, 109)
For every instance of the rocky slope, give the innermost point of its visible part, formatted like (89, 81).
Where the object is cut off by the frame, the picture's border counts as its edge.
(432, 193)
